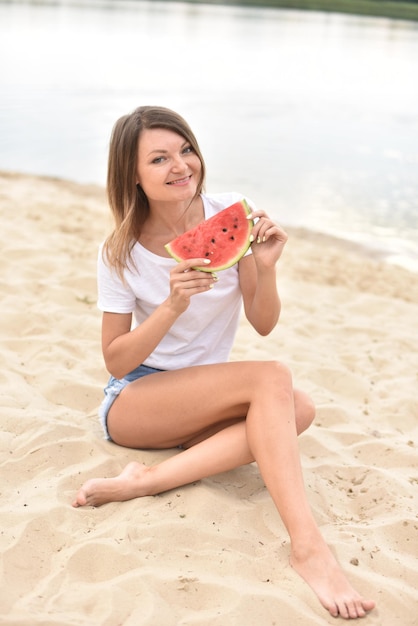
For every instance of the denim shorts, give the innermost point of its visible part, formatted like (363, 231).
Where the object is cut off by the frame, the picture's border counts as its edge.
(113, 389)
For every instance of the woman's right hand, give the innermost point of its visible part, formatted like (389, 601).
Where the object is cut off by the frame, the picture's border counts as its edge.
(186, 282)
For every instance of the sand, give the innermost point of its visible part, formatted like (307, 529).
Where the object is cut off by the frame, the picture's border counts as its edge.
(215, 552)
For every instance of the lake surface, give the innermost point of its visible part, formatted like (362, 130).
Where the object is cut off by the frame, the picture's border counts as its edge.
(314, 116)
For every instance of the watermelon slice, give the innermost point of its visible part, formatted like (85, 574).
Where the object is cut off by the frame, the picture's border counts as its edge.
(223, 238)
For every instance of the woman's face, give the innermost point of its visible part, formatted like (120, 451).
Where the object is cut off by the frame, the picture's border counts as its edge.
(168, 169)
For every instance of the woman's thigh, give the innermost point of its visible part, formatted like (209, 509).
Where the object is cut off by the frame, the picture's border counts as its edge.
(166, 409)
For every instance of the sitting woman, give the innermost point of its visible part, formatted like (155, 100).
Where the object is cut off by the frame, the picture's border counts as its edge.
(171, 382)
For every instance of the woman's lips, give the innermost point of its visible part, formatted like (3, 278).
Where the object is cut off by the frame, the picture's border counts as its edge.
(180, 181)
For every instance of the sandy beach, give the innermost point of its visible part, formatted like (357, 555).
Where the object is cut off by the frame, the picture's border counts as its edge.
(214, 553)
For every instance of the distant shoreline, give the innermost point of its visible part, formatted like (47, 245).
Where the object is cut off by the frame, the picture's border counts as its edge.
(360, 254)
(373, 8)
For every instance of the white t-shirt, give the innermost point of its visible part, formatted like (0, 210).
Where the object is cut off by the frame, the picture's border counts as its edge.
(205, 332)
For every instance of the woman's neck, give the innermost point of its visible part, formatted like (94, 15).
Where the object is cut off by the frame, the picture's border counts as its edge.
(171, 220)
(166, 221)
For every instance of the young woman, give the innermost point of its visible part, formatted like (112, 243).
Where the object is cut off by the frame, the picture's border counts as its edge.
(171, 383)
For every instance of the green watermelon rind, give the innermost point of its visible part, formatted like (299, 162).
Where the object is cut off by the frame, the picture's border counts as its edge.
(233, 260)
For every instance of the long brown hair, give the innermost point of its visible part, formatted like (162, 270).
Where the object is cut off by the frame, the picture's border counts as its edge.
(127, 200)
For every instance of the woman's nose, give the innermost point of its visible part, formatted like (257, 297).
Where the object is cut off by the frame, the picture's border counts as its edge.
(179, 164)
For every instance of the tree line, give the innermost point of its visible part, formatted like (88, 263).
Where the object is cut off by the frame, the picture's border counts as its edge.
(396, 9)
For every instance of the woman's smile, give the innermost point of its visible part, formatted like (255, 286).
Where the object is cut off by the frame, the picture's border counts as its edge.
(180, 181)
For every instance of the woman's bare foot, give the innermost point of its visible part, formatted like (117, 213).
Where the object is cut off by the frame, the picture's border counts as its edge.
(129, 484)
(318, 567)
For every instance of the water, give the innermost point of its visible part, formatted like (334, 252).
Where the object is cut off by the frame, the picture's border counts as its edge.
(314, 116)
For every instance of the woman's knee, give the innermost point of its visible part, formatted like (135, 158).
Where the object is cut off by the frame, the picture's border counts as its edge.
(274, 375)
(304, 410)
(274, 372)
(273, 379)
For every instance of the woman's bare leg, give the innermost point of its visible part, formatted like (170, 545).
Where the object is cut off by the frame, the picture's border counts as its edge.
(264, 393)
(227, 451)
(218, 454)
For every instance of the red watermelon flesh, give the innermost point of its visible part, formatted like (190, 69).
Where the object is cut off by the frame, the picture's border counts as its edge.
(223, 238)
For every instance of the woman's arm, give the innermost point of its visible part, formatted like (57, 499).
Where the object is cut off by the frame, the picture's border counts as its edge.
(258, 274)
(124, 349)
(260, 296)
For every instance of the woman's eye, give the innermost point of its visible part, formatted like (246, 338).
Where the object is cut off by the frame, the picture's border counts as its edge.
(158, 160)
(188, 150)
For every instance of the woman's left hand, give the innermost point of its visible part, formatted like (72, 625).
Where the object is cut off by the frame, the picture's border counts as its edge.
(268, 240)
